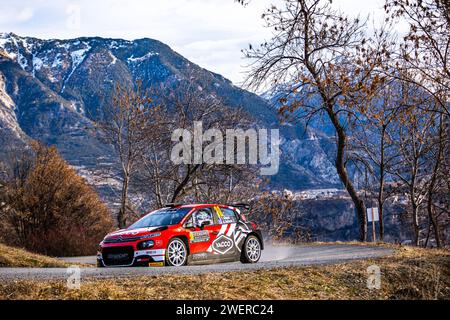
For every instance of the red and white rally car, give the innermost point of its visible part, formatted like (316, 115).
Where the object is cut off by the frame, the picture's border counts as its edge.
(184, 234)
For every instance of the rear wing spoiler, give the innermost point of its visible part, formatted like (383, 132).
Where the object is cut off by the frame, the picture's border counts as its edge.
(172, 205)
(241, 206)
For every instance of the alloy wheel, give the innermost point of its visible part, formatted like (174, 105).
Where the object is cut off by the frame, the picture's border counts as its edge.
(176, 253)
(253, 249)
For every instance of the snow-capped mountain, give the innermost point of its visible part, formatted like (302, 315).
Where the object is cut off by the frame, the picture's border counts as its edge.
(52, 90)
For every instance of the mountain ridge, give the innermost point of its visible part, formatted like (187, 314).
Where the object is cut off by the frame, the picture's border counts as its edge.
(58, 86)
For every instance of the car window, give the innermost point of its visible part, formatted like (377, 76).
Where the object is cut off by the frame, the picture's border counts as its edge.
(190, 220)
(162, 217)
(202, 215)
(225, 215)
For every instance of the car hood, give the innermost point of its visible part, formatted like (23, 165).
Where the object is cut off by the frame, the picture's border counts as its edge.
(125, 233)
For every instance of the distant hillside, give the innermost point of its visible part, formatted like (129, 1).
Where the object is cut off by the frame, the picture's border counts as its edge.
(51, 90)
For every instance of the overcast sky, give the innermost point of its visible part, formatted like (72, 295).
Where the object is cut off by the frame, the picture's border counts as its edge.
(210, 33)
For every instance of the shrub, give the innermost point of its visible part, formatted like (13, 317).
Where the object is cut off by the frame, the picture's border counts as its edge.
(47, 208)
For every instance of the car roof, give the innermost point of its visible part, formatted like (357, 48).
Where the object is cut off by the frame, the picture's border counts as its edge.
(200, 205)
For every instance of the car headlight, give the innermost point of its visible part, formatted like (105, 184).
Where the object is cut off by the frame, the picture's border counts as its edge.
(146, 244)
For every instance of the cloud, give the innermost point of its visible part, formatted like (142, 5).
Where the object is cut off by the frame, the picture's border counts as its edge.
(13, 15)
(25, 14)
(211, 33)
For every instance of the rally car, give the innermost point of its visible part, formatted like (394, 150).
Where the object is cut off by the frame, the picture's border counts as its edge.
(178, 235)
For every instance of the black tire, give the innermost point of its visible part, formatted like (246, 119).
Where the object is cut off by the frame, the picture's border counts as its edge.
(251, 250)
(172, 258)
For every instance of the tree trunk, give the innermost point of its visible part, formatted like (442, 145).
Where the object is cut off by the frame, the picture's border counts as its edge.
(122, 215)
(428, 235)
(360, 207)
(432, 184)
(415, 219)
(381, 187)
(437, 232)
(380, 214)
(185, 181)
(414, 204)
(433, 221)
(431, 215)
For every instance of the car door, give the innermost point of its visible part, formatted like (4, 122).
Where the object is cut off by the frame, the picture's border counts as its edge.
(223, 244)
(200, 239)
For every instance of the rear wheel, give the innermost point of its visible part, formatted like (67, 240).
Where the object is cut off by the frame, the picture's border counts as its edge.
(176, 253)
(251, 250)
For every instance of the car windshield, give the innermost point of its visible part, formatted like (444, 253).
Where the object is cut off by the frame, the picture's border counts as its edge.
(161, 217)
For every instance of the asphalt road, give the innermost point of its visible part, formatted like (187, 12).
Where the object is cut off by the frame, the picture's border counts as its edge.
(272, 258)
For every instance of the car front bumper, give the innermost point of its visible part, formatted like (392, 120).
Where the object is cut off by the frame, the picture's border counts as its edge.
(138, 258)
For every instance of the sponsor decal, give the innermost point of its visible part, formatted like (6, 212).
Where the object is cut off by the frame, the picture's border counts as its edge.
(118, 256)
(218, 211)
(231, 229)
(156, 252)
(226, 219)
(219, 214)
(127, 233)
(222, 244)
(151, 235)
(158, 258)
(199, 236)
(242, 231)
(199, 256)
(222, 230)
(244, 227)
(156, 264)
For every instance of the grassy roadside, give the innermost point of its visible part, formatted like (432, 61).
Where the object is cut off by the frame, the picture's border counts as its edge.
(411, 273)
(15, 257)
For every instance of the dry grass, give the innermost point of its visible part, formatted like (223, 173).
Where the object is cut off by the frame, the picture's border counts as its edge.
(411, 273)
(14, 257)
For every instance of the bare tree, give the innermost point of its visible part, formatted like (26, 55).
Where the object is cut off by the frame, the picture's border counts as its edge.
(413, 143)
(374, 141)
(424, 55)
(438, 170)
(196, 181)
(124, 126)
(422, 59)
(327, 64)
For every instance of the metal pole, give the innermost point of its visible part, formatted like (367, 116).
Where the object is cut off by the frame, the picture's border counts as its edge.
(373, 226)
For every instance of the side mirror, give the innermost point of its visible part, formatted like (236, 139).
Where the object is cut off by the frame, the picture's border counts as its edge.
(189, 225)
(204, 223)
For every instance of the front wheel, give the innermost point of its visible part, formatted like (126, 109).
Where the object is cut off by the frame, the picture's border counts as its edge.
(251, 250)
(176, 253)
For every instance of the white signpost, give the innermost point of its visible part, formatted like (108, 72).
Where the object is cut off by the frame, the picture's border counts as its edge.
(373, 216)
